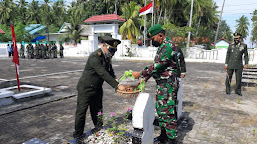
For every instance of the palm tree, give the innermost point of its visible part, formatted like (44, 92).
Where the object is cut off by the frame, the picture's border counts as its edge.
(254, 30)
(130, 12)
(242, 26)
(59, 13)
(33, 12)
(7, 9)
(22, 10)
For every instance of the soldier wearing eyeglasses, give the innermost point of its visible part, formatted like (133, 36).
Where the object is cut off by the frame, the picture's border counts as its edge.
(234, 62)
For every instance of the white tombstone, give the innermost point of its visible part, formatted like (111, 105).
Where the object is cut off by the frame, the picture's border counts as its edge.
(143, 116)
(179, 98)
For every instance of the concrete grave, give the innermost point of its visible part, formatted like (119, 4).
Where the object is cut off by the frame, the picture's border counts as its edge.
(142, 119)
(6, 97)
(35, 90)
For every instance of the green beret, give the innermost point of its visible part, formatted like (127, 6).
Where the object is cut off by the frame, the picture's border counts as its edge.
(154, 30)
(111, 42)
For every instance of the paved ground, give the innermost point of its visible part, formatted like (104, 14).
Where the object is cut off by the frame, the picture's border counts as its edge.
(211, 116)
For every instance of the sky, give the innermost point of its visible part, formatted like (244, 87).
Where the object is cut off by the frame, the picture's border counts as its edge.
(234, 9)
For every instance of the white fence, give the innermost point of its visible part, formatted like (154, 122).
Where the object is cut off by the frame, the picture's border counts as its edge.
(193, 54)
(215, 55)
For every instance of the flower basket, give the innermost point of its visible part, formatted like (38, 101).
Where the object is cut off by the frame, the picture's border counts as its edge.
(132, 87)
(129, 93)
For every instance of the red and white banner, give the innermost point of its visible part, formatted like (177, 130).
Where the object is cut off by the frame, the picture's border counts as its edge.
(15, 56)
(146, 9)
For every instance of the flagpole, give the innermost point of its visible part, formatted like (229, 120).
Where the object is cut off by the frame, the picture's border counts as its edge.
(144, 26)
(152, 13)
(190, 22)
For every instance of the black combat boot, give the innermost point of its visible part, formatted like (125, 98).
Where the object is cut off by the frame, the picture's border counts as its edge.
(163, 138)
(172, 141)
(239, 93)
(227, 91)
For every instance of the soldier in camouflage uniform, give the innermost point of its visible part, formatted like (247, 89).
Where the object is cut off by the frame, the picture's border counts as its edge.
(22, 55)
(41, 51)
(47, 51)
(37, 51)
(164, 70)
(234, 62)
(44, 56)
(30, 51)
(50, 50)
(90, 93)
(54, 51)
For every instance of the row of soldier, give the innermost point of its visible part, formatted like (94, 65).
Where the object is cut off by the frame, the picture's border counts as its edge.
(41, 51)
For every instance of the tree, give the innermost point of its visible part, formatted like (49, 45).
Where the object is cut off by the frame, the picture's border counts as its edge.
(225, 31)
(22, 11)
(173, 31)
(33, 12)
(7, 9)
(242, 26)
(130, 12)
(254, 30)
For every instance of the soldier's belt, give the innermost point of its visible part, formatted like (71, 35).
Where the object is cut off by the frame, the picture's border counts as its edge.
(169, 80)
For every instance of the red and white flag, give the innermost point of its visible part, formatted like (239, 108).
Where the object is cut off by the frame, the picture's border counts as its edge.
(146, 9)
(15, 56)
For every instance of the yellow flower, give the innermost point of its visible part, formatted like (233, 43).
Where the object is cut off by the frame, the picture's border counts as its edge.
(110, 134)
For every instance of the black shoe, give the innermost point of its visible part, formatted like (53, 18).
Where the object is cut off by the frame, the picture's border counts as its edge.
(163, 138)
(228, 92)
(78, 141)
(172, 141)
(239, 93)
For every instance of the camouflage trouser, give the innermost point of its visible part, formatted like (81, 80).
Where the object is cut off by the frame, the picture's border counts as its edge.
(166, 107)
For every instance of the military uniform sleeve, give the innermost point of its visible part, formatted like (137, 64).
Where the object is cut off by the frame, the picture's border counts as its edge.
(96, 64)
(246, 55)
(112, 72)
(159, 64)
(182, 62)
(228, 55)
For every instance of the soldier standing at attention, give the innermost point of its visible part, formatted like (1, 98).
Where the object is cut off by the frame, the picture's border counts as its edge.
(37, 51)
(32, 51)
(47, 51)
(164, 70)
(22, 51)
(29, 50)
(90, 93)
(54, 51)
(234, 62)
(61, 51)
(50, 51)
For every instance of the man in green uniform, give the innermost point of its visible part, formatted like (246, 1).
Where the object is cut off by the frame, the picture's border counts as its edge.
(61, 51)
(90, 93)
(168, 62)
(234, 62)
(37, 51)
(54, 51)
(22, 55)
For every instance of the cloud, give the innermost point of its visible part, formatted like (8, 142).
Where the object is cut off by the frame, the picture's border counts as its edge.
(233, 10)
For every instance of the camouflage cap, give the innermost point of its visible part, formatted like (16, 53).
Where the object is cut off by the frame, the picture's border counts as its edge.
(154, 30)
(237, 35)
(111, 42)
